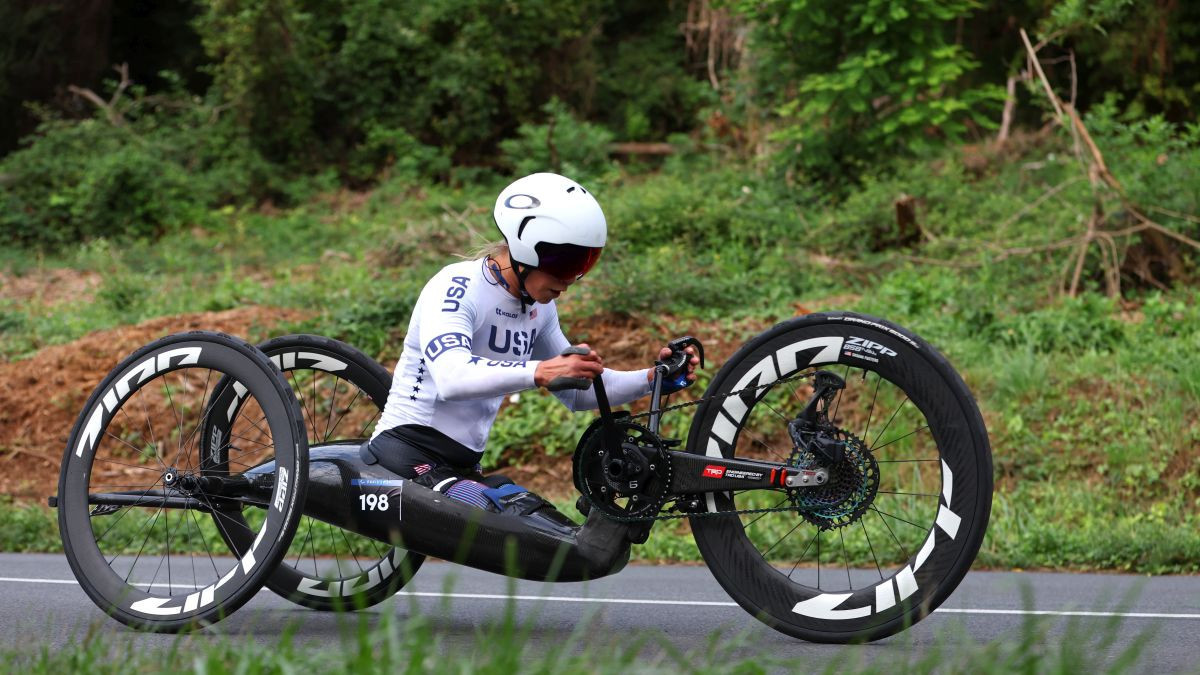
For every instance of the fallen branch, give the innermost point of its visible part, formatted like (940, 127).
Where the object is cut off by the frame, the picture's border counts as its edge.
(110, 106)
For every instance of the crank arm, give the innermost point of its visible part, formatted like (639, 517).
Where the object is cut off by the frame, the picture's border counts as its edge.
(692, 474)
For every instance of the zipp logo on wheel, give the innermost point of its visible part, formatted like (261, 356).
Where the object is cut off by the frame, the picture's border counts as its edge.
(857, 344)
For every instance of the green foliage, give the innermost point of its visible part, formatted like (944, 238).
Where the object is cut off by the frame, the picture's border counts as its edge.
(1068, 326)
(150, 165)
(456, 76)
(857, 81)
(1153, 159)
(564, 144)
(1140, 52)
(530, 425)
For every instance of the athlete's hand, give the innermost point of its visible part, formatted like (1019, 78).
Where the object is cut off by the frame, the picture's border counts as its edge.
(574, 365)
(693, 361)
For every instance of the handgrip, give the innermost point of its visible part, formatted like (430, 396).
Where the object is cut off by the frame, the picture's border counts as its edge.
(562, 382)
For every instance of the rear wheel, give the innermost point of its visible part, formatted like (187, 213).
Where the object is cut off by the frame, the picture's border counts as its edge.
(135, 485)
(905, 508)
(342, 393)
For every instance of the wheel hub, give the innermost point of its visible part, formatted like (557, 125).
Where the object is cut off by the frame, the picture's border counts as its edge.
(851, 489)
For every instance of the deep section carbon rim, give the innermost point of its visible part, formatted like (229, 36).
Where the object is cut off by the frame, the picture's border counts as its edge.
(902, 515)
(142, 509)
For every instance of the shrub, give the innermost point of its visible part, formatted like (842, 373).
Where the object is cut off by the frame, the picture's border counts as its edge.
(153, 164)
(563, 144)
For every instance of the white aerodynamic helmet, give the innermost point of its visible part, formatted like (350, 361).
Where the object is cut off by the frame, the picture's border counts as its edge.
(550, 222)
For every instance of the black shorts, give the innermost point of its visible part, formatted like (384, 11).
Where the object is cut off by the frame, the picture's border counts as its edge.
(430, 458)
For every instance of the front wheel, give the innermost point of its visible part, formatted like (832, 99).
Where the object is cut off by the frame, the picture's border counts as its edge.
(142, 512)
(903, 514)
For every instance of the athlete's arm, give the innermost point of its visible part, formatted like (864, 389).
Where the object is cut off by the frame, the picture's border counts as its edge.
(622, 386)
(447, 322)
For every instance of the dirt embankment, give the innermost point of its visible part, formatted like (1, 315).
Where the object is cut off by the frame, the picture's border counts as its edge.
(40, 397)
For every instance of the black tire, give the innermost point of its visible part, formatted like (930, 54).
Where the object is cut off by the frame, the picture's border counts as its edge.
(341, 392)
(140, 428)
(909, 545)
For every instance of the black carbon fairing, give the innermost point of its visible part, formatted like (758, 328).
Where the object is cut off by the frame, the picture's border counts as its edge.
(370, 500)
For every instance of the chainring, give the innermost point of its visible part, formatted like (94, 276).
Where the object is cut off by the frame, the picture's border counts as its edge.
(850, 491)
(593, 466)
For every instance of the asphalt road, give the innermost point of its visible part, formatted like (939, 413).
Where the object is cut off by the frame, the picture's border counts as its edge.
(683, 604)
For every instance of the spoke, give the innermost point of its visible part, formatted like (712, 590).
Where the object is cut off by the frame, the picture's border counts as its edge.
(363, 432)
(187, 518)
(871, 547)
(882, 461)
(193, 435)
(158, 569)
(911, 494)
(132, 466)
(846, 559)
(312, 548)
(818, 558)
(140, 453)
(143, 546)
(248, 466)
(889, 422)
(123, 512)
(350, 550)
(316, 374)
(871, 410)
(178, 418)
(248, 440)
(242, 415)
(777, 542)
(919, 527)
(760, 441)
(914, 431)
(781, 415)
(337, 562)
(837, 401)
(348, 408)
(332, 405)
(303, 403)
(145, 451)
(157, 449)
(804, 553)
(204, 540)
(760, 516)
(903, 549)
(303, 543)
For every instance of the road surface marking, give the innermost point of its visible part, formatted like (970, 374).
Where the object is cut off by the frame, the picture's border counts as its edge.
(704, 603)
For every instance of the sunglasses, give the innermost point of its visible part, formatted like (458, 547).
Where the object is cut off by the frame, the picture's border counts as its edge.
(566, 261)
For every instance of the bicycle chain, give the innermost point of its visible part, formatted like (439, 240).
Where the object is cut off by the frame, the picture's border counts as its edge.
(701, 514)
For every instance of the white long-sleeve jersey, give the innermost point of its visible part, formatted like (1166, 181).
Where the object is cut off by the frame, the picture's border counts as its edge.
(468, 345)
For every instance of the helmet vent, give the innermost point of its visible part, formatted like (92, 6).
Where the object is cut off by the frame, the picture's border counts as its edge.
(571, 189)
(521, 227)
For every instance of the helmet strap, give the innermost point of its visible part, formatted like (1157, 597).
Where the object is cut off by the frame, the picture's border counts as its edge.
(522, 271)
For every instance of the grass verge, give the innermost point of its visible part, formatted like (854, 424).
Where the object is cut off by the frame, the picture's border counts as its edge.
(386, 644)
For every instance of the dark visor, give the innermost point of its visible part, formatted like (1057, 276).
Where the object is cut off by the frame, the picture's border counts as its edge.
(566, 261)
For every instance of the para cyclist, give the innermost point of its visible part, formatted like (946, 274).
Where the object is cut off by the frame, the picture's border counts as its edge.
(486, 328)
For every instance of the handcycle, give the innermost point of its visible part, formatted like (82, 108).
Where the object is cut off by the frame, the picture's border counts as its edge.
(836, 477)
